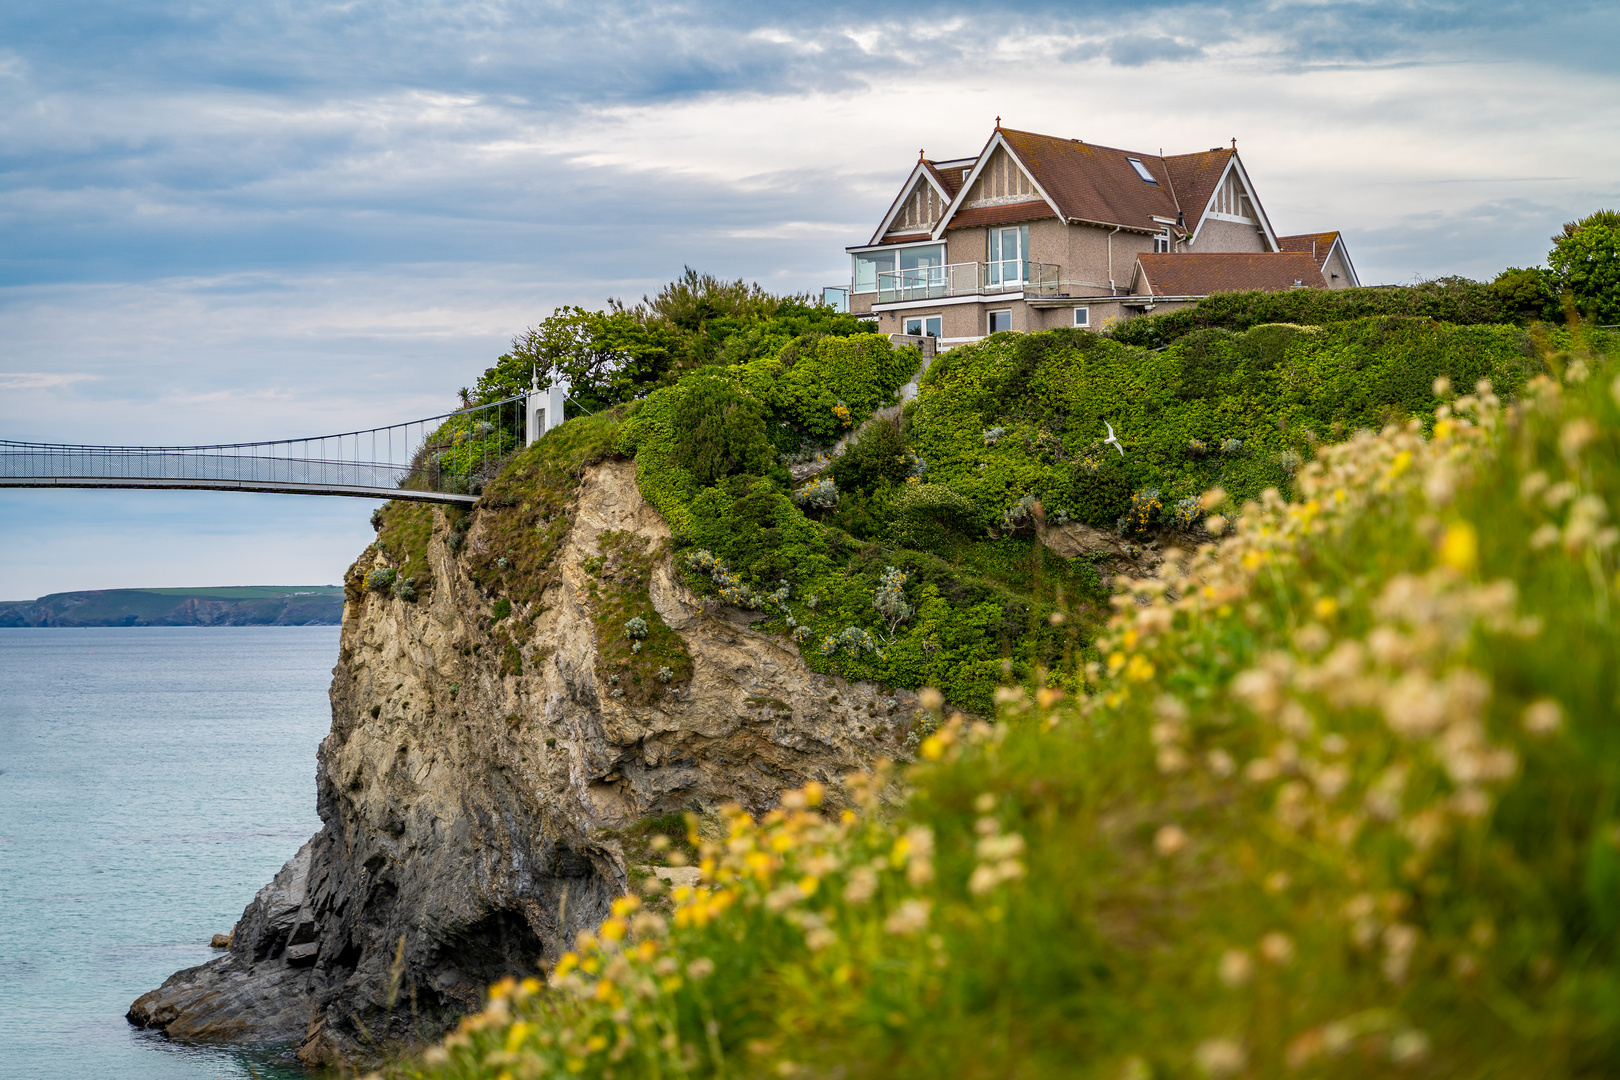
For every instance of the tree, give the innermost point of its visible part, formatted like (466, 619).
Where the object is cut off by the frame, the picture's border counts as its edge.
(1528, 295)
(1586, 261)
(623, 353)
(606, 356)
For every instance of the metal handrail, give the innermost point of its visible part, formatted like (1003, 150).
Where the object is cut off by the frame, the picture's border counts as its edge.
(967, 279)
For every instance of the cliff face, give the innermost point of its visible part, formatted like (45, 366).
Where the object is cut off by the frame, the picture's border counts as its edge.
(470, 816)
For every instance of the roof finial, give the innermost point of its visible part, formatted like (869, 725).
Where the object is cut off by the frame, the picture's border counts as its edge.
(1234, 144)
(998, 123)
(920, 155)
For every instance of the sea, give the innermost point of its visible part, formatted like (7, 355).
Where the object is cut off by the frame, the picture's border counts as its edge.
(152, 779)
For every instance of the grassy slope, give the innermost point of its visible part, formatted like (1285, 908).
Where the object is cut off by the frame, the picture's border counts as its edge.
(1345, 799)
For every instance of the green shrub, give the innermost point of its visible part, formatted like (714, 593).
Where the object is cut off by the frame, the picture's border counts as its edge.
(1528, 295)
(876, 459)
(835, 384)
(722, 429)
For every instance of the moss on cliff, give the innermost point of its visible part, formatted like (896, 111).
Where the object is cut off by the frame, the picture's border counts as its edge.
(406, 528)
(524, 515)
(639, 657)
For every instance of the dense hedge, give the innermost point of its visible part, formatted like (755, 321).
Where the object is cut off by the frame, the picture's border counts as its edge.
(1450, 300)
(1023, 415)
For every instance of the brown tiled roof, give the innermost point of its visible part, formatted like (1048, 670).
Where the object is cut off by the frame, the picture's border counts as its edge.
(1097, 183)
(1007, 214)
(949, 179)
(1195, 177)
(1190, 273)
(1302, 242)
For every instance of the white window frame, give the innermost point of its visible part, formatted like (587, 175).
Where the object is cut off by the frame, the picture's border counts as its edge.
(1082, 317)
(990, 319)
(1002, 269)
(921, 322)
(1161, 242)
(855, 287)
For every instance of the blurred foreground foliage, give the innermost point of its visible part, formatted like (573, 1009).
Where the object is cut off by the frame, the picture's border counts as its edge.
(1340, 799)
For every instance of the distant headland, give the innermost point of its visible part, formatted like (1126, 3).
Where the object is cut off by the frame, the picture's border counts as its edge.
(241, 605)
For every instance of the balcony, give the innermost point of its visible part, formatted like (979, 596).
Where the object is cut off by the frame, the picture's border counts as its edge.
(967, 279)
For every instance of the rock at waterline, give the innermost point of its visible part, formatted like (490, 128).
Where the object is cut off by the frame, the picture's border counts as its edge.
(220, 941)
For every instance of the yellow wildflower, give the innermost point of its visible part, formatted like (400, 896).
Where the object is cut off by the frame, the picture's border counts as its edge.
(1459, 549)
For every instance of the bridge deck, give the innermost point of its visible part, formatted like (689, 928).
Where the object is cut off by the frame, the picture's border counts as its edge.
(262, 486)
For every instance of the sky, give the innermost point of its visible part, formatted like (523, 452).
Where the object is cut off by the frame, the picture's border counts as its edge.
(226, 221)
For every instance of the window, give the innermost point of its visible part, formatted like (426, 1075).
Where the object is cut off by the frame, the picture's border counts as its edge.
(913, 258)
(1000, 320)
(1161, 242)
(923, 326)
(1009, 251)
(922, 273)
(1142, 170)
(1082, 316)
(868, 264)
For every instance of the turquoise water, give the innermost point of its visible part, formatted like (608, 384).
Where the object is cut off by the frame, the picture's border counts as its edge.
(151, 780)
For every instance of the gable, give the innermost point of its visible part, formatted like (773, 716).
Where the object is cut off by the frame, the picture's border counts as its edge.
(919, 211)
(1000, 182)
(1231, 201)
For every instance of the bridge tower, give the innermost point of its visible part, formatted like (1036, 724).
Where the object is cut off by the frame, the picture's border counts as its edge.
(543, 408)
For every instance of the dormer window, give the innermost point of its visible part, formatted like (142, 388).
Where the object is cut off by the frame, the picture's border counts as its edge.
(1161, 242)
(1142, 171)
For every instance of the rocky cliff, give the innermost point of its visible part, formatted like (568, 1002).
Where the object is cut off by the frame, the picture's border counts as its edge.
(476, 779)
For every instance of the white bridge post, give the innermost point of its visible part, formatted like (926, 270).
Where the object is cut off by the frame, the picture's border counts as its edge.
(543, 409)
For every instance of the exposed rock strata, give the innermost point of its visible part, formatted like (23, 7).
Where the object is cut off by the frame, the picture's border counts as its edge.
(469, 818)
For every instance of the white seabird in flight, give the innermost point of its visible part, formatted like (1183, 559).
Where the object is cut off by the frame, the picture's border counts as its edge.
(1113, 440)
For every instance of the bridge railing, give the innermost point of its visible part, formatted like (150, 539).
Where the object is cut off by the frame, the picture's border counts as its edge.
(444, 458)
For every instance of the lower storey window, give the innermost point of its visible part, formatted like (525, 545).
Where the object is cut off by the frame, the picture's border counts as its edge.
(1000, 320)
(1082, 316)
(924, 326)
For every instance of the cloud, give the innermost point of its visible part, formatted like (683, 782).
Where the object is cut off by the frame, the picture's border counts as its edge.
(1136, 50)
(39, 380)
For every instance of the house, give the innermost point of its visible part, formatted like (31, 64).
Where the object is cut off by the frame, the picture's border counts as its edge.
(1037, 231)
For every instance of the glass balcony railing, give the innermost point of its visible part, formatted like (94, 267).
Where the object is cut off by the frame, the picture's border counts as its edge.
(967, 279)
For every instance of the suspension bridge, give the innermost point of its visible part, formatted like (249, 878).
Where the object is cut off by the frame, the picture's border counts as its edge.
(444, 459)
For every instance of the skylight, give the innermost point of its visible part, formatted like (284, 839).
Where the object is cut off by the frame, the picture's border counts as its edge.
(1141, 170)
